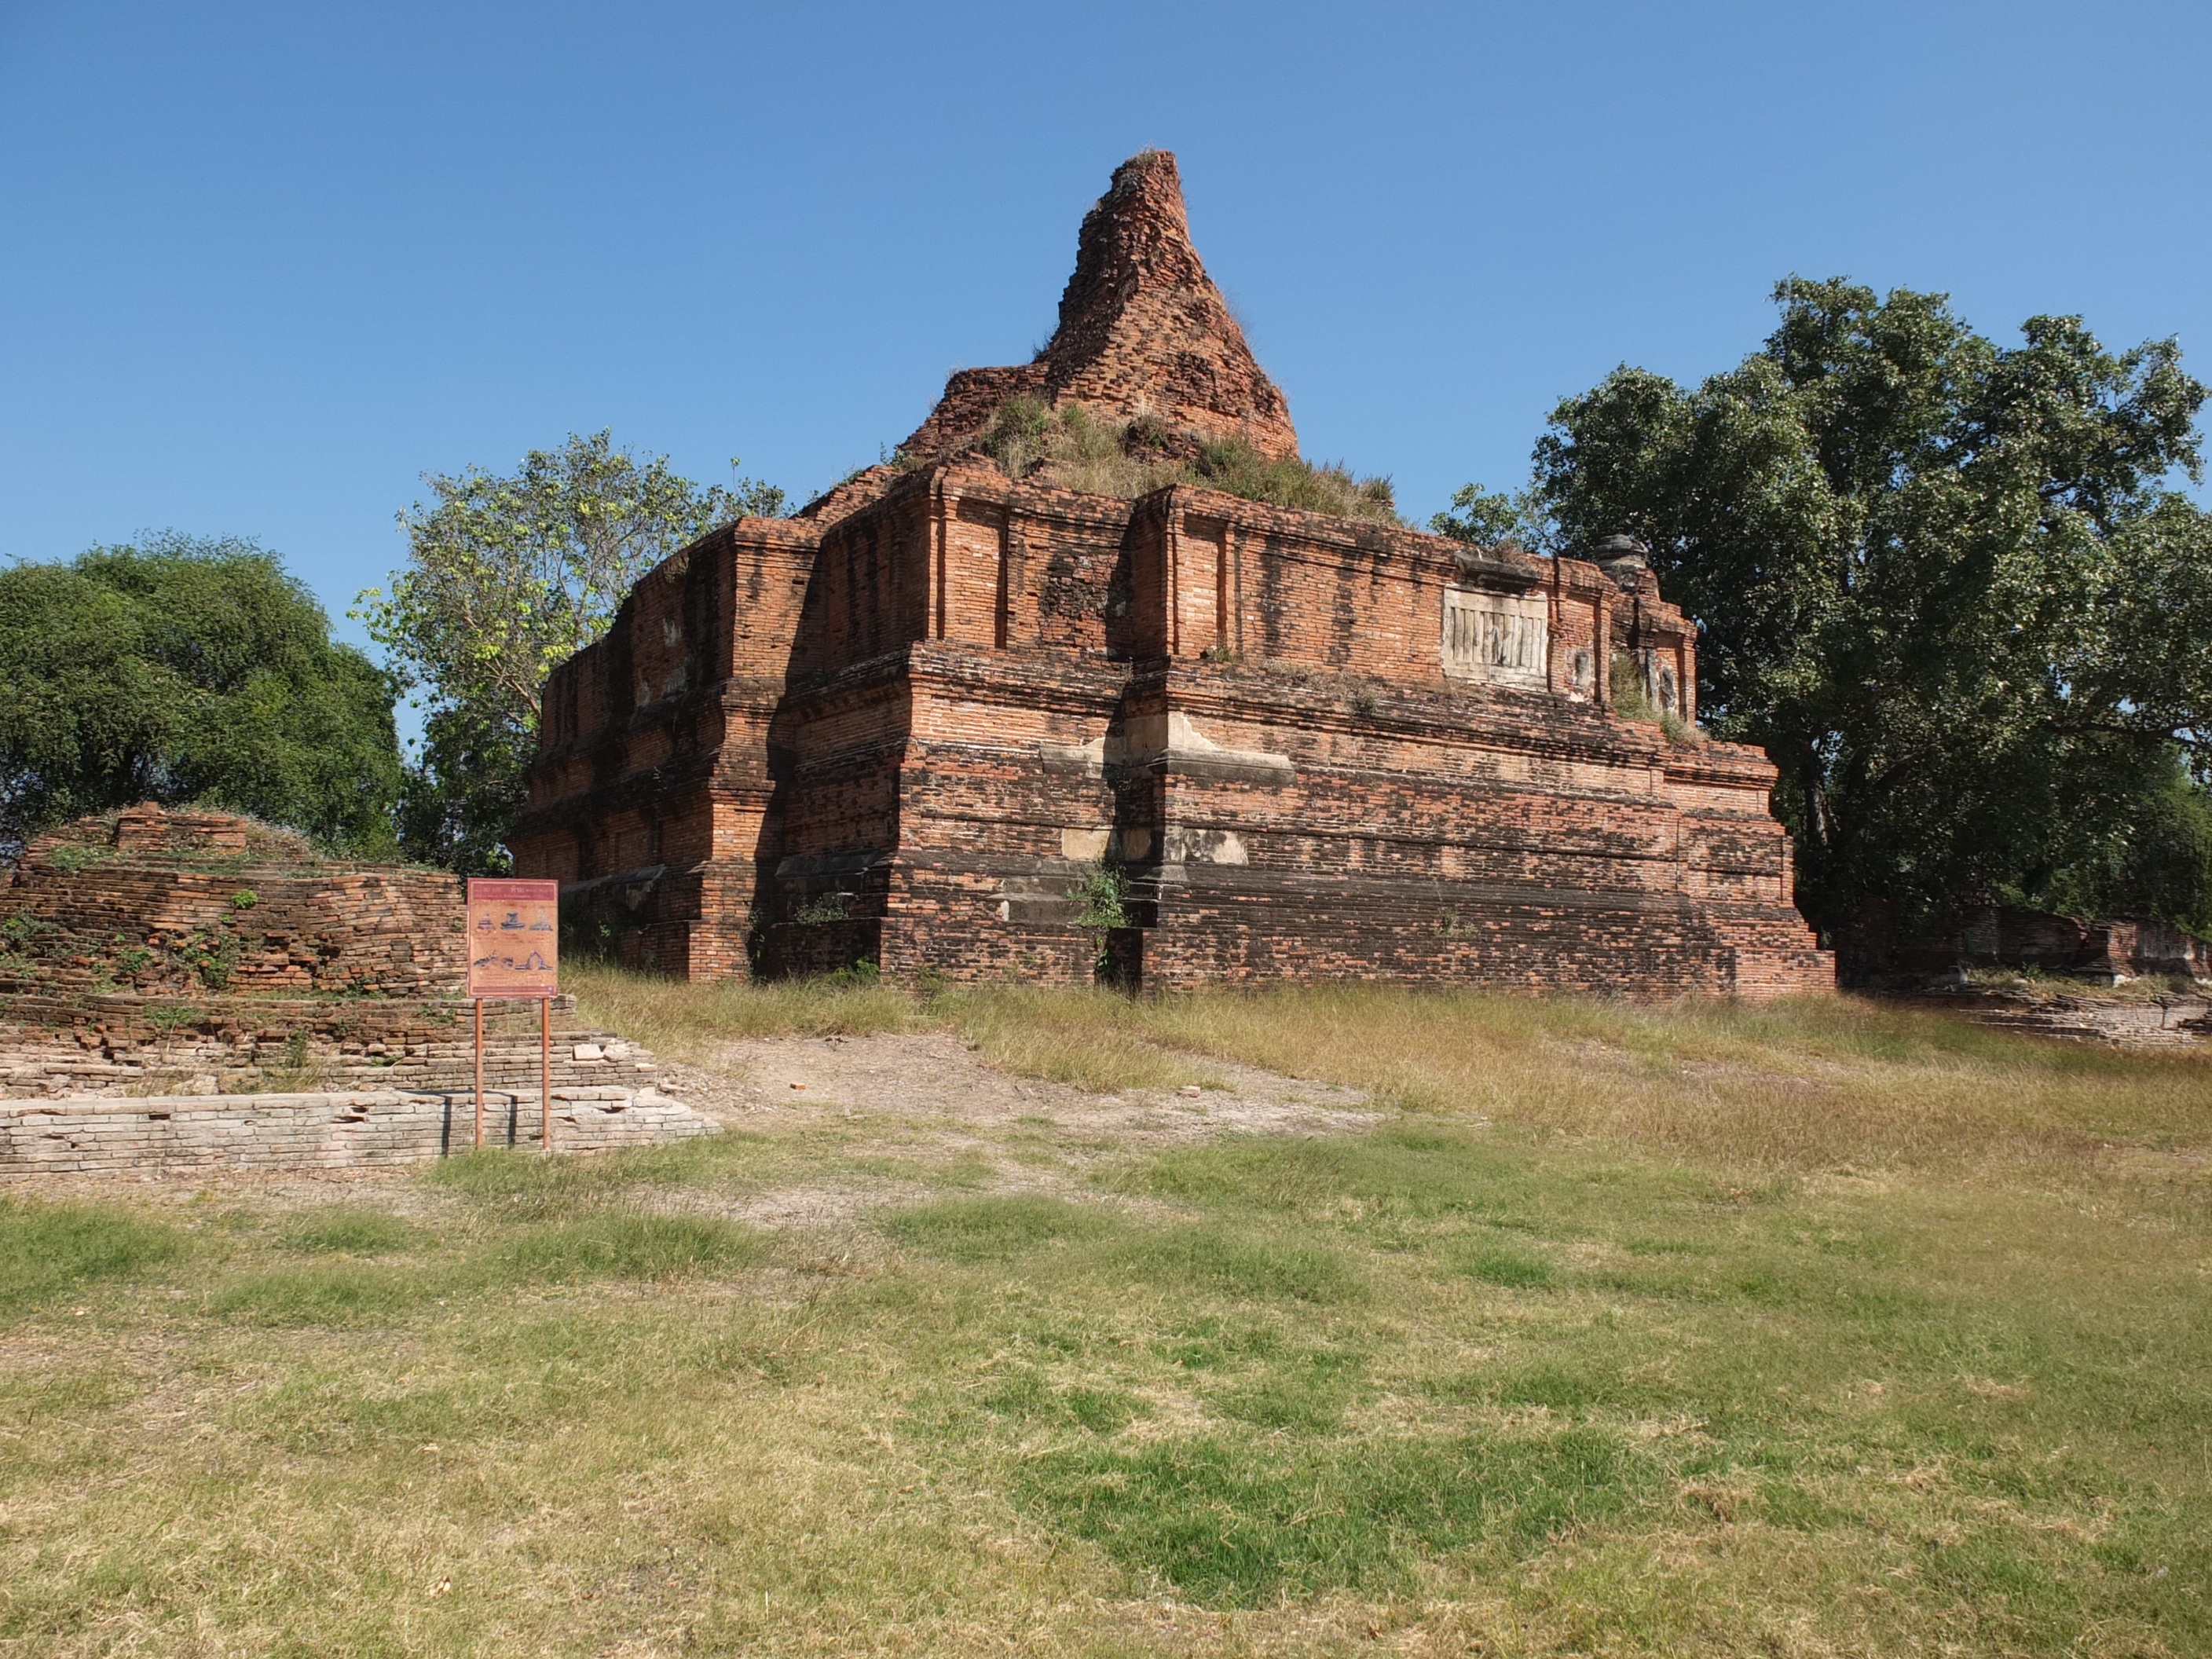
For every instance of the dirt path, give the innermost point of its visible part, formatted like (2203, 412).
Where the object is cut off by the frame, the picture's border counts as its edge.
(902, 1108)
(780, 1083)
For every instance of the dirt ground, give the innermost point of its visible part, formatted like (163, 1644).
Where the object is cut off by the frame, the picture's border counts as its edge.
(888, 1109)
(892, 1097)
(780, 1083)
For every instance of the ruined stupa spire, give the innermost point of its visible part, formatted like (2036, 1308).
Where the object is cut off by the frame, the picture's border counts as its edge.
(1143, 331)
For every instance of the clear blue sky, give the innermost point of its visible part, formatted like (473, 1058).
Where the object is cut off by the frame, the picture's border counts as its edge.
(263, 265)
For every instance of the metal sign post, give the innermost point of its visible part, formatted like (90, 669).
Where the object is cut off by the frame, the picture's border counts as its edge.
(545, 1073)
(479, 1002)
(514, 954)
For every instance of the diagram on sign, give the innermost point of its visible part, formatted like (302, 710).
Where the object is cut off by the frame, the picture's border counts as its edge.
(516, 926)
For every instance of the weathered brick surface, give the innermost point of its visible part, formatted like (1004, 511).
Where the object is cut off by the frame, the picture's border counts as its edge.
(198, 1135)
(177, 901)
(152, 952)
(55, 1044)
(1143, 331)
(900, 728)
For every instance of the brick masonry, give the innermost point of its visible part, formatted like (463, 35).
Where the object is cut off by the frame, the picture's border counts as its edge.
(191, 991)
(902, 727)
(183, 903)
(1143, 332)
(55, 1045)
(327, 1133)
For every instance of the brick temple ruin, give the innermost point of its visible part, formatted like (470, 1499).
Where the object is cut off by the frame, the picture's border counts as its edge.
(911, 725)
(191, 992)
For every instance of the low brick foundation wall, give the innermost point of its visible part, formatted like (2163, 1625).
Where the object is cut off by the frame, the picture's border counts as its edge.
(196, 1135)
(124, 1043)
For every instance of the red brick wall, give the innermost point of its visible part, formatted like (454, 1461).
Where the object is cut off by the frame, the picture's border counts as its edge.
(901, 729)
(184, 902)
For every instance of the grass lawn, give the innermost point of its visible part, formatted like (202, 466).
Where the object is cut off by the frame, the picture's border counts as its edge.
(1810, 1330)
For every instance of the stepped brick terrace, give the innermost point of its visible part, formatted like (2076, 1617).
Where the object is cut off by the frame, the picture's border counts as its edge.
(149, 952)
(927, 722)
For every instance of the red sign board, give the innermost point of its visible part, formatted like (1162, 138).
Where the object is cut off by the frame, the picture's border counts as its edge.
(514, 932)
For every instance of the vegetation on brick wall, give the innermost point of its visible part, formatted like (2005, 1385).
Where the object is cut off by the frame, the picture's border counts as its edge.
(1103, 891)
(186, 670)
(1073, 448)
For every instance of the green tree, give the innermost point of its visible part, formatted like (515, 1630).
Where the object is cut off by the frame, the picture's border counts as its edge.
(1483, 518)
(188, 671)
(506, 579)
(1948, 585)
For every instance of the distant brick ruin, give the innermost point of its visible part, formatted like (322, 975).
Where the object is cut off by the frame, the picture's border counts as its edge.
(160, 902)
(149, 957)
(949, 722)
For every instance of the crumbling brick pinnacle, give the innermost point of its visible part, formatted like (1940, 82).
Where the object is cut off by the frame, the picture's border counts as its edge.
(1143, 331)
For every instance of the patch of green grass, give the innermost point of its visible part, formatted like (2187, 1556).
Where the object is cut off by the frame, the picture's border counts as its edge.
(622, 1245)
(1553, 1387)
(1211, 1343)
(1782, 1504)
(40, 1399)
(49, 1250)
(341, 1293)
(1407, 1172)
(1307, 1392)
(615, 1244)
(516, 1183)
(1026, 1391)
(994, 1229)
(1514, 1268)
(351, 1232)
(1235, 1524)
(1214, 1260)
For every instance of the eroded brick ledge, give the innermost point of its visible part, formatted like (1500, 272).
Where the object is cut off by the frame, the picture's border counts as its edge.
(196, 1135)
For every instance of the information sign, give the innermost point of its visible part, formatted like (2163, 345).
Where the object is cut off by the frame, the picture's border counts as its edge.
(514, 932)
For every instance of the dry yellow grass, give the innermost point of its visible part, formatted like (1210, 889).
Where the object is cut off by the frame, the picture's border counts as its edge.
(683, 1022)
(1811, 1329)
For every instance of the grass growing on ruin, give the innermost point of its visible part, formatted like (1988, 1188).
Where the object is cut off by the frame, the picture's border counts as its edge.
(1813, 1328)
(1072, 448)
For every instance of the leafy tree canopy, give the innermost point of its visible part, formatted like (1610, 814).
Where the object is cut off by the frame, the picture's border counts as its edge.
(188, 671)
(507, 578)
(1482, 517)
(1947, 583)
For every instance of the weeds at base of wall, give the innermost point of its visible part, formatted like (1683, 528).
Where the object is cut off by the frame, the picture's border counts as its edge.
(823, 907)
(1103, 890)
